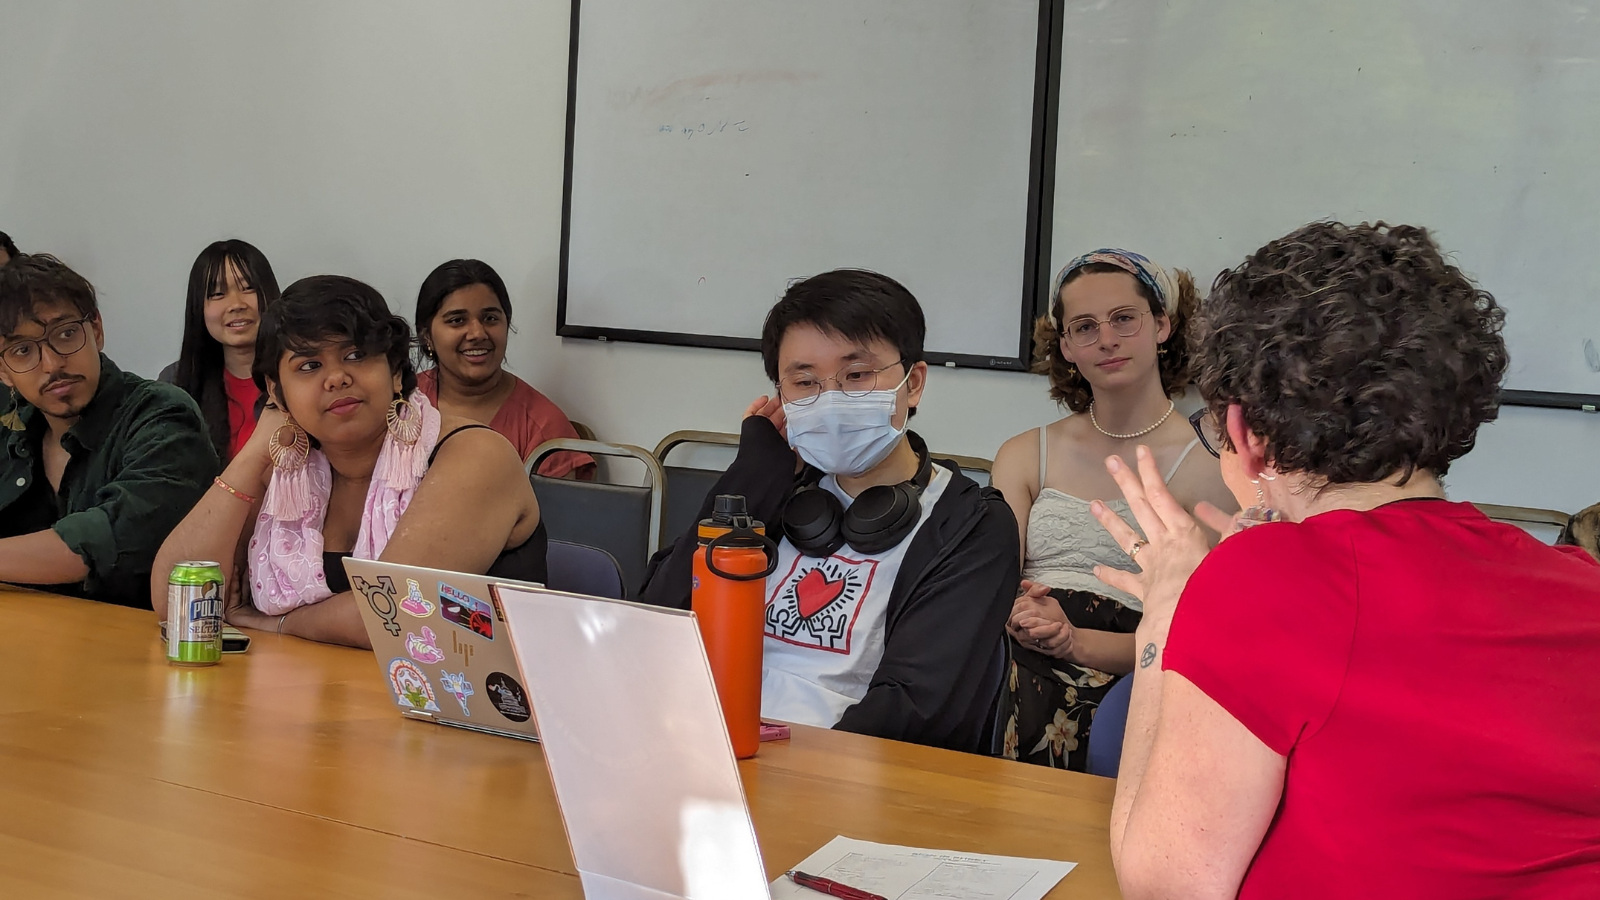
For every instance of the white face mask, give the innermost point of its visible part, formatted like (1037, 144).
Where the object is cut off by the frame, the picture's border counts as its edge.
(845, 435)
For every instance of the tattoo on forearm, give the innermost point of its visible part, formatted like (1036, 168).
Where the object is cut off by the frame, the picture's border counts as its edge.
(1147, 656)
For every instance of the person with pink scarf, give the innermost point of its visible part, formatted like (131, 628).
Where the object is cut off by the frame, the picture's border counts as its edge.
(350, 459)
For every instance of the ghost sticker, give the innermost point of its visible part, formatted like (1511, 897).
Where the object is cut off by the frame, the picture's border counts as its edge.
(415, 604)
(816, 604)
(424, 648)
(507, 696)
(411, 687)
(456, 685)
(380, 597)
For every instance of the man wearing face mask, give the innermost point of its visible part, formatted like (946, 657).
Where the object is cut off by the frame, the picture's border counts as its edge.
(896, 572)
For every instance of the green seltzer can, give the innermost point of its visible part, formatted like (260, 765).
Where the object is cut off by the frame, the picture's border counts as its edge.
(194, 614)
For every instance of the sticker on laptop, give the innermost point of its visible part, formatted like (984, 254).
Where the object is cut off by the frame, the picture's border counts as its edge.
(380, 597)
(465, 610)
(424, 648)
(507, 696)
(456, 685)
(411, 687)
(415, 604)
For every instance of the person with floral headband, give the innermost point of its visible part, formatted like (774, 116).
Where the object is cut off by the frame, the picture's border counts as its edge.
(1114, 349)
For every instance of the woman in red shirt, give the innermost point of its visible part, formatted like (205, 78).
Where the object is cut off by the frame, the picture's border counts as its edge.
(463, 323)
(230, 285)
(1374, 692)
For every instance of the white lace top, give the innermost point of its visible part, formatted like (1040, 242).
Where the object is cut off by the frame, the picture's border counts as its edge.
(1065, 542)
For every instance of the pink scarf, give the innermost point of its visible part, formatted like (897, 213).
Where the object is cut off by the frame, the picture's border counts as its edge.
(286, 549)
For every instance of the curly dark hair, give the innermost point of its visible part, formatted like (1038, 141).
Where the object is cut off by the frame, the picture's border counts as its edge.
(1355, 352)
(321, 308)
(1068, 387)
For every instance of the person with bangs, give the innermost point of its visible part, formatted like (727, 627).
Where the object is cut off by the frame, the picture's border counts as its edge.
(350, 459)
(1114, 348)
(463, 324)
(230, 285)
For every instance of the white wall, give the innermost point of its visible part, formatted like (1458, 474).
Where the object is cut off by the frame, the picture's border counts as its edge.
(376, 139)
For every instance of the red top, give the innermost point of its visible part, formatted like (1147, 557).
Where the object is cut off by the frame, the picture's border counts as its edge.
(242, 397)
(1434, 680)
(527, 419)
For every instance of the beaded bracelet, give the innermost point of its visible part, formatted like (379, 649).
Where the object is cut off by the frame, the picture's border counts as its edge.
(229, 488)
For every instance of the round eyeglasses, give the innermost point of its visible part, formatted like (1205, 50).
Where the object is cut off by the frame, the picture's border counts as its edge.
(855, 380)
(65, 338)
(1084, 331)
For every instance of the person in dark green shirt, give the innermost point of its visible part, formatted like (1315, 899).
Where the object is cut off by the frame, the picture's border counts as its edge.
(96, 464)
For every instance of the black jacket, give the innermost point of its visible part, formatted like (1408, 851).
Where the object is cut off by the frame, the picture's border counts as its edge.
(944, 649)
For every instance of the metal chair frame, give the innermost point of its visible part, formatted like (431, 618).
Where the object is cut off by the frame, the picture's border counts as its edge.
(627, 451)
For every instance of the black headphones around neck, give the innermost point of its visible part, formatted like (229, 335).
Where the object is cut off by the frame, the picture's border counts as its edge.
(817, 524)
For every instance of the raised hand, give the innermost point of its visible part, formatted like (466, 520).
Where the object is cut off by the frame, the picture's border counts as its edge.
(1173, 544)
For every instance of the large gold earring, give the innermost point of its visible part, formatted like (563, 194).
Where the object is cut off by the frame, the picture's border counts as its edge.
(405, 421)
(289, 446)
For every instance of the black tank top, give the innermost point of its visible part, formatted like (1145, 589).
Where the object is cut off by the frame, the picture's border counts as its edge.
(524, 562)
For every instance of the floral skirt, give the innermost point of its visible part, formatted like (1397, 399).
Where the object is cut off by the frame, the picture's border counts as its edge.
(1051, 702)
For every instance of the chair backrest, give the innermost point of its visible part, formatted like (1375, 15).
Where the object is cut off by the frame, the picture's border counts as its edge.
(622, 519)
(1105, 732)
(975, 467)
(584, 432)
(687, 486)
(1544, 524)
(580, 569)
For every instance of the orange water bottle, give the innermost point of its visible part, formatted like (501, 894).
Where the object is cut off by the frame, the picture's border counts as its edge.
(729, 601)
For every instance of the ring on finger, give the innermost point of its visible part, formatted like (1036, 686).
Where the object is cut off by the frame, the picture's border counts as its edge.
(1133, 552)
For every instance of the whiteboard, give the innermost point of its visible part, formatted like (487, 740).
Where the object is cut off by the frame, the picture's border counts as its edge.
(720, 149)
(1196, 132)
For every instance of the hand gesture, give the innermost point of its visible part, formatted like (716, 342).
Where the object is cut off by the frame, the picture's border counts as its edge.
(1173, 545)
(770, 408)
(1038, 622)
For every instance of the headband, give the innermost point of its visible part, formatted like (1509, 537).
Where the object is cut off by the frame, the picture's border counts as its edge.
(1138, 265)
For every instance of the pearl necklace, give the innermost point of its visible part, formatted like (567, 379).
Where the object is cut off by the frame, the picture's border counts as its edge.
(1171, 405)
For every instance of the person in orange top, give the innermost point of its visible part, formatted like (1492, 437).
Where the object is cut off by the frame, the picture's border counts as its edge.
(463, 321)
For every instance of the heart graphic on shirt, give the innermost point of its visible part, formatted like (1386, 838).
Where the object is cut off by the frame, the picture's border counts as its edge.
(814, 591)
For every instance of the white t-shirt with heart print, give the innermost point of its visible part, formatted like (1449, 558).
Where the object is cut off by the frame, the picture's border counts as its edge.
(825, 622)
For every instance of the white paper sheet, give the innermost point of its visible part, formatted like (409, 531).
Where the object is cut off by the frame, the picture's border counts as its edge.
(912, 873)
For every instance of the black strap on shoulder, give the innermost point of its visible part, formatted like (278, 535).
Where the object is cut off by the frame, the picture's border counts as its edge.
(447, 436)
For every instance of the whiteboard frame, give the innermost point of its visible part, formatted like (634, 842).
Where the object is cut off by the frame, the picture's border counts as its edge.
(1036, 242)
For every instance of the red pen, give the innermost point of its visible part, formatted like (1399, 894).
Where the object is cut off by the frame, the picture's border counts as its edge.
(831, 888)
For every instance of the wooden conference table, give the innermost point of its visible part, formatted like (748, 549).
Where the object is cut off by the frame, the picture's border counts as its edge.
(287, 772)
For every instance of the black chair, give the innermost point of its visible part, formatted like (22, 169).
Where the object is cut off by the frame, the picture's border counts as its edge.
(578, 569)
(687, 486)
(622, 519)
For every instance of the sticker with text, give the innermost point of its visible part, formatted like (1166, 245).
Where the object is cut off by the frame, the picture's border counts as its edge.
(507, 696)
(411, 687)
(415, 604)
(456, 685)
(424, 647)
(466, 610)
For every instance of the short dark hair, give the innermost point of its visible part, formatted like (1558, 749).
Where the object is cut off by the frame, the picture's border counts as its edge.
(200, 364)
(34, 278)
(9, 246)
(1356, 352)
(320, 308)
(854, 304)
(1068, 387)
(450, 277)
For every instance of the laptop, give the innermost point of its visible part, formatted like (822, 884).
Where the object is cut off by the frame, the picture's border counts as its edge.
(634, 738)
(442, 646)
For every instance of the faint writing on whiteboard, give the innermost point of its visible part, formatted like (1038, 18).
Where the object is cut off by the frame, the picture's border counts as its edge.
(705, 129)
